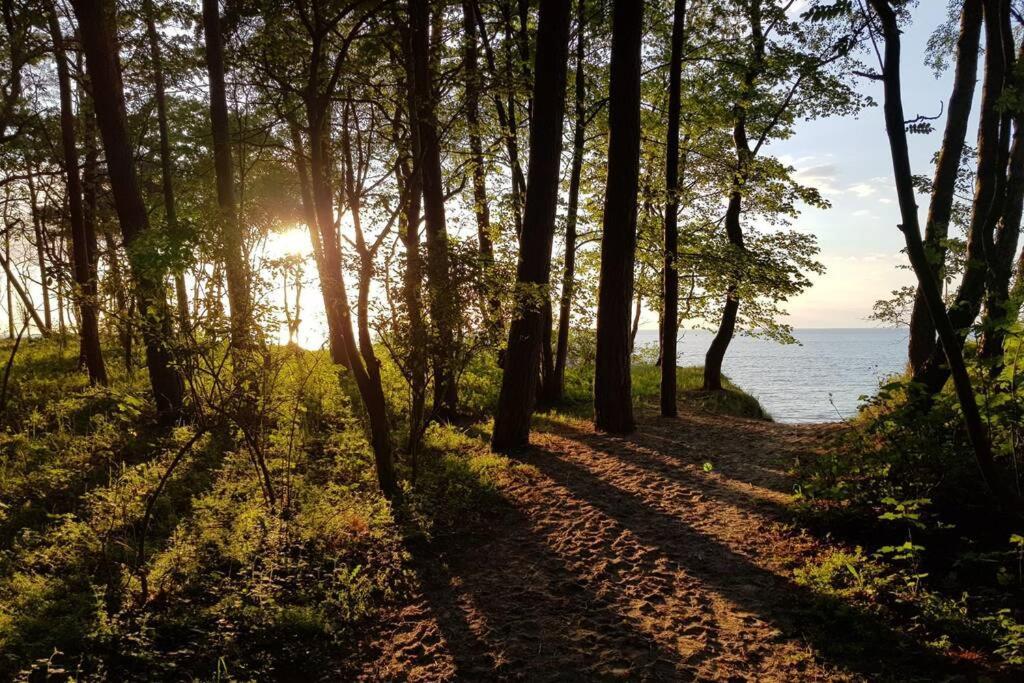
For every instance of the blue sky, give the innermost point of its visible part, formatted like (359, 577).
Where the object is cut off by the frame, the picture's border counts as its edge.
(848, 159)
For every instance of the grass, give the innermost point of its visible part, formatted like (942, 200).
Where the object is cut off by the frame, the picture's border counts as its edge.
(232, 584)
(731, 400)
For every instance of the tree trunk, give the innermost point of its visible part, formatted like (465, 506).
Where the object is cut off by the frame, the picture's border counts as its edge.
(1000, 308)
(715, 355)
(934, 372)
(444, 314)
(12, 281)
(613, 405)
(519, 378)
(555, 388)
(922, 330)
(507, 123)
(409, 177)
(37, 226)
(166, 162)
(364, 364)
(97, 32)
(336, 341)
(81, 250)
(669, 274)
(473, 86)
(7, 283)
(230, 229)
(896, 131)
(734, 231)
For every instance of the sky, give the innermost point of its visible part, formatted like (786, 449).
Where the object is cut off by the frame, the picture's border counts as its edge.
(847, 159)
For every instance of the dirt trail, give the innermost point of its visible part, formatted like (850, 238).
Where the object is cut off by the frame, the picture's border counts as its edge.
(623, 558)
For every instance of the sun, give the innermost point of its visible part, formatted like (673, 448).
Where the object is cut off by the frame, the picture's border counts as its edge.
(291, 242)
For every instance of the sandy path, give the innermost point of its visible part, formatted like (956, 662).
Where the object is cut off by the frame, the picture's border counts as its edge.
(624, 559)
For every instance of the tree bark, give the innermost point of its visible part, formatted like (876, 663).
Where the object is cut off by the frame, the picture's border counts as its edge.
(554, 390)
(519, 378)
(922, 330)
(444, 314)
(335, 339)
(934, 372)
(476, 151)
(613, 405)
(97, 32)
(363, 363)
(235, 265)
(670, 253)
(37, 226)
(896, 131)
(166, 162)
(734, 231)
(81, 250)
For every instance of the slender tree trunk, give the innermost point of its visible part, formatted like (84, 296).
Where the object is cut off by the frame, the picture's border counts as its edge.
(37, 226)
(443, 309)
(97, 32)
(670, 253)
(715, 355)
(81, 250)
(473, 86)
(166, 161)
(635, 327)
(336, 341)
(230, 228)
(7, 283)
(555, 388)
(12, 281)
(922, 330)
(410, 181)
(934, 372)
(896, 131)
(613, 405)
(365, 366)
(519, 378)
(1000, 308)
(508, 125)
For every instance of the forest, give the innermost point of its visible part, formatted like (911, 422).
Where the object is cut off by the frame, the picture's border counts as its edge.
(324, 360)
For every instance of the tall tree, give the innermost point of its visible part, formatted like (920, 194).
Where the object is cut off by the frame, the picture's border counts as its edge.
(166, 161)
(989, 187)
(519, 379)
(81, 249)
(895, 125)
(613, 404)
(670, 275)
(442, 302)
(554, 388)
(97, 23)
(922, 331)
(230, 233)
(473, 85)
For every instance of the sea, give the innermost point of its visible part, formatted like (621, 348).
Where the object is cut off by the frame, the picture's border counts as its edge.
(823, 378)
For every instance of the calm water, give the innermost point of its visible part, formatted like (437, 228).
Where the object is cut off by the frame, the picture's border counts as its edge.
(795, 383)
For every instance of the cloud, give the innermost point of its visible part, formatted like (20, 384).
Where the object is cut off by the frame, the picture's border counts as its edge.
(820, 176)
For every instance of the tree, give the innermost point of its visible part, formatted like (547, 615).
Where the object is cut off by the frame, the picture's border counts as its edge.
(83, 241)
(922, 331)
(899, 149)
(442, 310)
(166, 162)
(230, 232)
(519, 379)
(613, 405)
(553, 389)
(97, 24)
(670, 275)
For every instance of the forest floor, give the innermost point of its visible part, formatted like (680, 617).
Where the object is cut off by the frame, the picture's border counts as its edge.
(666, 555)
